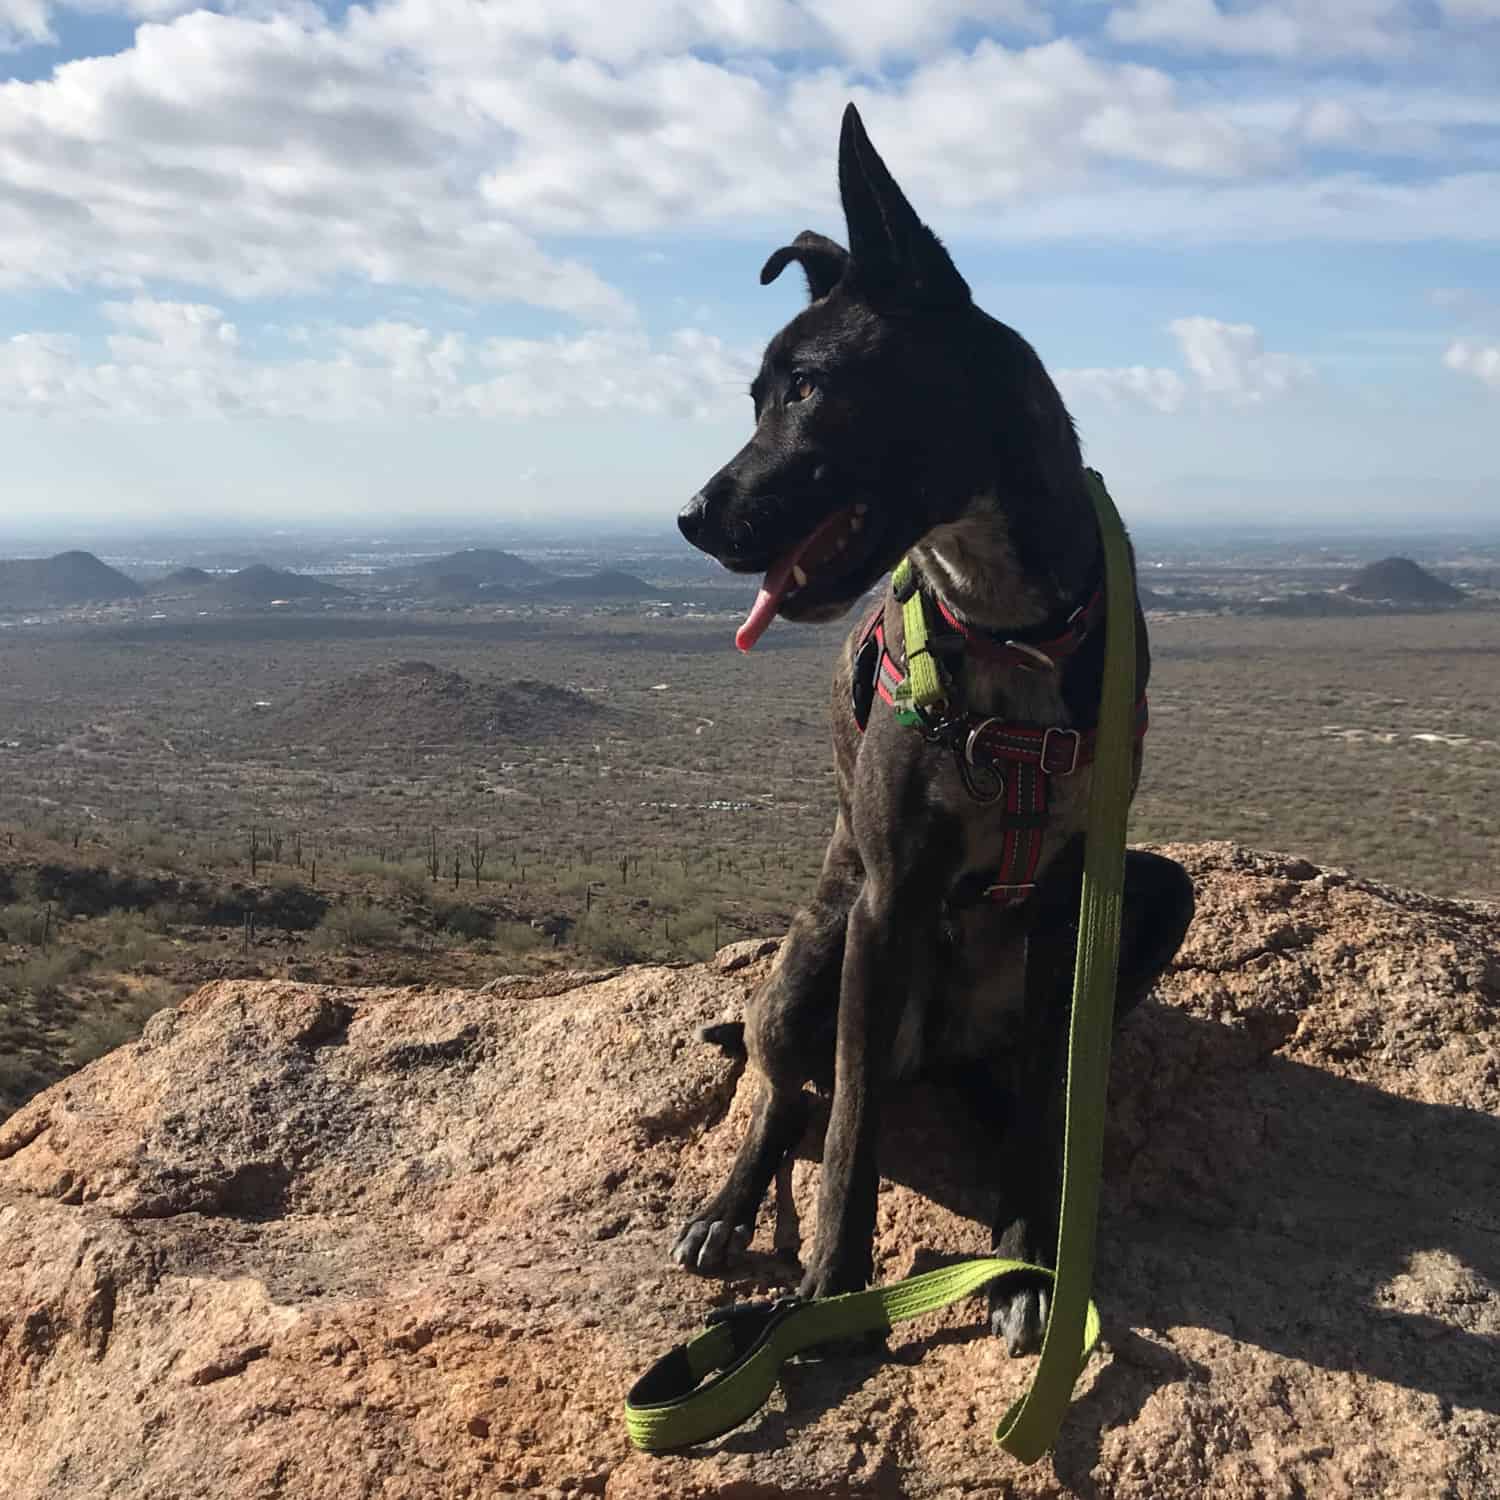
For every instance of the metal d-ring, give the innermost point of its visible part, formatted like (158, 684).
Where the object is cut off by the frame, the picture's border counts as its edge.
(982, 783)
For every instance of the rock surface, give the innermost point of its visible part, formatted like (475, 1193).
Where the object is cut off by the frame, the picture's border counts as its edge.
(306, 1242)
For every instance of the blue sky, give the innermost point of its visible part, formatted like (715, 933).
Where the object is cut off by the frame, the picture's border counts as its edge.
(446, 258)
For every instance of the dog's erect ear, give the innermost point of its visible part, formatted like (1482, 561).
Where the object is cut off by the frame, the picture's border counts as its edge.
(824, 261)
(894, 256)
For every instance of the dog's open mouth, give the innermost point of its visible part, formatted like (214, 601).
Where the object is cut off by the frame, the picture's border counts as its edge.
(820, 557)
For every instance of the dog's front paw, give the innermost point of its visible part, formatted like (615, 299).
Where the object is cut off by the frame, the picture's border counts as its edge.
(706, 1244)
(832, 1281)
(1019, 1317)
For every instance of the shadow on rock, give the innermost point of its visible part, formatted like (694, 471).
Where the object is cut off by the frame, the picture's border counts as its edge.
(1314, 1216)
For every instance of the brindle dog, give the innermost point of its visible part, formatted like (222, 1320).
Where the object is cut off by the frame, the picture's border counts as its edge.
(892, 416)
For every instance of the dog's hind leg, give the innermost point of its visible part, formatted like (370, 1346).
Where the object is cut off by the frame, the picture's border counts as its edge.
(789, 1035)
(1156, 911)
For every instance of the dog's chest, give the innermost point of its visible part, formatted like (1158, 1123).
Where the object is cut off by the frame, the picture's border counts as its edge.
(975, 1008)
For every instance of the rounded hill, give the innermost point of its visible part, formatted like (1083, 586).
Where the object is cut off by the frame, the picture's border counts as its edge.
(1402, 581)
(55, 582)
(419, 703)
(473, 567)
(183, 581)
(262, 584)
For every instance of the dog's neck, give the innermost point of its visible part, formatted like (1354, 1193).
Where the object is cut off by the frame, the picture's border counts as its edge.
(985, 574)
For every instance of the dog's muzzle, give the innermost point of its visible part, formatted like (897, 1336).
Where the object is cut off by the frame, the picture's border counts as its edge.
(690, 518)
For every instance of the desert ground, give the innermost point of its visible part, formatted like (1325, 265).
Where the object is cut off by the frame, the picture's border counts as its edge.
(451, 795)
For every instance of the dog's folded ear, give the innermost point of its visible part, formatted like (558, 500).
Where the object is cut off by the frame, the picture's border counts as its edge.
(824, 262)
(895, 259)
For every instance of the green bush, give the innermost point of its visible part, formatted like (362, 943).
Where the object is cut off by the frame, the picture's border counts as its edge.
(27, 921)
(518, 938)
(110, 1024)
(162, 917)
(611, 941)
(43, 973)
(355, 926)
(126, 938)
(461, 919)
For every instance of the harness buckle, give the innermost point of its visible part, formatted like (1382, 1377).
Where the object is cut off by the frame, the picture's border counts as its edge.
(1038, 656)
(1010, 894)
(1072, 765)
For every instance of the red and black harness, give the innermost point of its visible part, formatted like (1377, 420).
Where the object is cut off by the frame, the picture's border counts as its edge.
(996, 758)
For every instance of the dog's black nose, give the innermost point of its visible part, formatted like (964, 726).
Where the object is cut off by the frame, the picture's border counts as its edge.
(690, 518)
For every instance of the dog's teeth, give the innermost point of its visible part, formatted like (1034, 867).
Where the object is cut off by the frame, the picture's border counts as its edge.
(855, 523)
(799, 578)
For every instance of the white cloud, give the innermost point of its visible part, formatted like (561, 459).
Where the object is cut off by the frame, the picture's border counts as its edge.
(253, 157)
(1478, 11)
(173, 360)
(23, 22)
(1341, 208)
(1482, 361)
(481, 36)
(869, 29)
(168, 332)
(1227, 363)
(430, 143)
(1229, 360)
(1290, 29)
(1160, 388)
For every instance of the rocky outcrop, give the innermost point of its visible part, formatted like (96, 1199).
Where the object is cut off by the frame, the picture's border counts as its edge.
(311, 1242)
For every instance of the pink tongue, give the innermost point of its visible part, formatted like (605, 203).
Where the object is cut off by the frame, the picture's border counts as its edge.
(774, 588)
(763, 611)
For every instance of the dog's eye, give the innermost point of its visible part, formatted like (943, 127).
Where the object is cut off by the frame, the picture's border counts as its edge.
(802, 385)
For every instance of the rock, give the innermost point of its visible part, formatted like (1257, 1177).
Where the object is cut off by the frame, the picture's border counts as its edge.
(733, 957)
(314, 1242)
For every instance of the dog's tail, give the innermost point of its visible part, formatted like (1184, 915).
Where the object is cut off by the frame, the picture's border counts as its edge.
(729, 1036)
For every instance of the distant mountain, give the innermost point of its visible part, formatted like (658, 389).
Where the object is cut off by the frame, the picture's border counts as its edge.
(68, 578)
(611, 584)
(462, 586)
(1402, 581)
(474, 566)
(260, 584)
(183, 581)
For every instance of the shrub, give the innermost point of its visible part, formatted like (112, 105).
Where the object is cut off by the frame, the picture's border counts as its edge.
(463, 920)
(353, 926)
(163, 916)
(43, 973)
(27, 921)
(518, 938)
(110, 1024)
(613, 942)
(126, 938)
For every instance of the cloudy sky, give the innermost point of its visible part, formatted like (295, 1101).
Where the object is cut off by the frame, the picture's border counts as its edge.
(450, 257)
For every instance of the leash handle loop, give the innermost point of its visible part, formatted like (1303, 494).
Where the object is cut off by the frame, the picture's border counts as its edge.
(711, 1384)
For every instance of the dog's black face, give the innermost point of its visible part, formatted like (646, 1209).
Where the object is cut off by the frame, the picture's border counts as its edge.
(856, 403)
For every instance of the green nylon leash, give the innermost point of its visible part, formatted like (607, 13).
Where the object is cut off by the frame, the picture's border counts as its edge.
(1029, 1428)
(671, 1407)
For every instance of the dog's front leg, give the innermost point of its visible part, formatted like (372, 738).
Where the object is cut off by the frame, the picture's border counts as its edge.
(887, 965)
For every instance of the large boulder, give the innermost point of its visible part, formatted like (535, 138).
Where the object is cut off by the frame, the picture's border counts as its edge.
(309, 1242)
